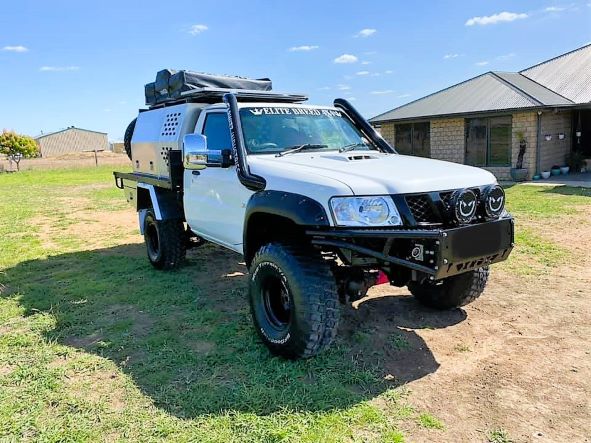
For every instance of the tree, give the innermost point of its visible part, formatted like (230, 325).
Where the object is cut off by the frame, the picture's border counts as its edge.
(17, 146)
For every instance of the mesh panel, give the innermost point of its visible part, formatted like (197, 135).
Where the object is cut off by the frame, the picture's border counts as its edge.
(446, 198)
(421, 209)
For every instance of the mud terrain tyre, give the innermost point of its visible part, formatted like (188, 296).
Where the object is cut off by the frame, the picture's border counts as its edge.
(127, 137)
(293, 300)
(451, 292)
(165, 241)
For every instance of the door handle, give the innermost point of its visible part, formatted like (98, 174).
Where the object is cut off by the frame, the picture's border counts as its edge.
(195, 172)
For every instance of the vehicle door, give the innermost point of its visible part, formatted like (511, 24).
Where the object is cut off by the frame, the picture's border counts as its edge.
(214, 199)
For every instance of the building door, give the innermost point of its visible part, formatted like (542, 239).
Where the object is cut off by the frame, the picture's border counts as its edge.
(582, 126)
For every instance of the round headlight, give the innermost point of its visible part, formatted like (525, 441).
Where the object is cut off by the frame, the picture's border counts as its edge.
(464, 204)
(493, 200)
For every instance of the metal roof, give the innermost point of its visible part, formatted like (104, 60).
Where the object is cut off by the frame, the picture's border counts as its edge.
(534, 90)
(563, 81)
(37, 137)
(568, 74)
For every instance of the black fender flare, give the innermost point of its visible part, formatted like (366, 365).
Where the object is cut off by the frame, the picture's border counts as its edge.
(299, 209)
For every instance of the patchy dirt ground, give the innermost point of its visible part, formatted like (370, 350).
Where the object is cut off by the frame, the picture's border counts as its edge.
(518, 360)
(521, 359)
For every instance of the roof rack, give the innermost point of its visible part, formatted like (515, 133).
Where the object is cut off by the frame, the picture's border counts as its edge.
(215, 95)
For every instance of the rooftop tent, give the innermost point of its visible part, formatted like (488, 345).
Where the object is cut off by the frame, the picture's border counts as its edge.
(170, 84)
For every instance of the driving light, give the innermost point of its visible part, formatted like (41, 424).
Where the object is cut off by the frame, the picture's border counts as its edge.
(464, 204)
(365, 211)
(493, 200)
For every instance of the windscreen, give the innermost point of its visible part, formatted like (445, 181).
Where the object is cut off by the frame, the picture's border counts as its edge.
(269, 130)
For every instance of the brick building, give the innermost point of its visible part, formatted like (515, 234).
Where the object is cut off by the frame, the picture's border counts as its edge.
(479, 121)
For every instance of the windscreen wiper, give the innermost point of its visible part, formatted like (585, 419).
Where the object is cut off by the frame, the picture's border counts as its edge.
(352, 146)
(301, 148)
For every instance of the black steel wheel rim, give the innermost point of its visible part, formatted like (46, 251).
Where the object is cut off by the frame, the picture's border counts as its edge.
(277, 302)
(153, 242)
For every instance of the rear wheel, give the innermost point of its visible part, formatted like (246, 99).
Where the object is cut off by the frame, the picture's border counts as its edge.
(451, 292)
(165, 241)
(293, 300)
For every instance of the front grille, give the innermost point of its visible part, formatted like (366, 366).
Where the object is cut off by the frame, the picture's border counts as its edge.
(427, 209)
(421, 209)
(446, 198)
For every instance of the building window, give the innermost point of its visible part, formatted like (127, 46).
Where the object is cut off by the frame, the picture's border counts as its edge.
(488, 141)
(413, 139)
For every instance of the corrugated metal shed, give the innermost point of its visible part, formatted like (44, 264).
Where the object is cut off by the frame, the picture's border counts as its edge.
(563, 81)
(568, 75)
(71, 140)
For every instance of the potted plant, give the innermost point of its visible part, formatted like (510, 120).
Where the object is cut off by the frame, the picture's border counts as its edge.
(564, 170)
(555, 169)
(519, 173)
(575, 161)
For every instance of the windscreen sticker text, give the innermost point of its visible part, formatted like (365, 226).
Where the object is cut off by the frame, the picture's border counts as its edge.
(295, 111)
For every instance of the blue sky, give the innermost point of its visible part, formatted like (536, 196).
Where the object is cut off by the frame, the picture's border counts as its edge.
(80, 63)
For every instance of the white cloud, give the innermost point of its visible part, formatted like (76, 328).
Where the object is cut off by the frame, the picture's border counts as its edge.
(404, 96)
(482, 63)
(303, 48)
(346, 58)
(198, 29)
(449, 56)
(388, 71)
(17, 48)
(367, 32)
(506, 56)
(554, 9)
(324, 88)
(343, 87)
(362, 73)
(58, 68)
(382, 92)
(365, 62)
(496, 18)
(375, 74)
(351, 99)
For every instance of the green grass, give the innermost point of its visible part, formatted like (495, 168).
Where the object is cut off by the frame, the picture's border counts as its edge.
(498, 436)
(97, 346)
(429, 421)
(462, 347)
(542, 202)
(399, 342)
(534, 254)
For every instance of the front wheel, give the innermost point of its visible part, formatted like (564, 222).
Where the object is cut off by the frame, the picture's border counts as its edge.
(293, 300)
(451, 292)
(165, 241)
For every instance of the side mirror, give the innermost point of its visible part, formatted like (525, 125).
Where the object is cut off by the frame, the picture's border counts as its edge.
(197, 156)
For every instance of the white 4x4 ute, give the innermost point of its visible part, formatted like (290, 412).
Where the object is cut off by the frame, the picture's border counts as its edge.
(318, 203)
